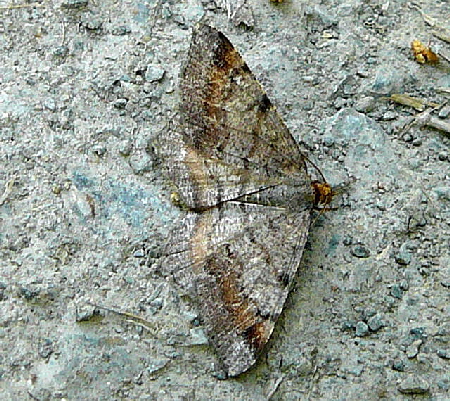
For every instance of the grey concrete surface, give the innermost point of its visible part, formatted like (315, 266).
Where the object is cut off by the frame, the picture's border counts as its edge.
(86, 87)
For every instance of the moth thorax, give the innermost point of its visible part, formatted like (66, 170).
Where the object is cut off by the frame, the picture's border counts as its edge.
(323, 193)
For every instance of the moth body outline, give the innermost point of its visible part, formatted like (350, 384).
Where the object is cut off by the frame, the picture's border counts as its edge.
(250, 197)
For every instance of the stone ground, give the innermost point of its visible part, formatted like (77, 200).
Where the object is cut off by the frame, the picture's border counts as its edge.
(87, 86)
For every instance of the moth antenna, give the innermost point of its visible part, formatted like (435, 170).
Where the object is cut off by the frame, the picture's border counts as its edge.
(315, 168)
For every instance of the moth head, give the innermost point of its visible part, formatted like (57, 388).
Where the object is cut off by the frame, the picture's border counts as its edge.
(323, 194)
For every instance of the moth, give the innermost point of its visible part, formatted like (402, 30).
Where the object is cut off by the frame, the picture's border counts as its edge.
(249, 195)
(423, 54)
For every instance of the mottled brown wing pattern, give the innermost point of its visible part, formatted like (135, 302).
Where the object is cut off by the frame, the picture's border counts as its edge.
(240, 172)
(203, 181)
(237, 262)
(230, 138)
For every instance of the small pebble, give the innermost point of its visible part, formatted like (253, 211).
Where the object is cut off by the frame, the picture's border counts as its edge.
(348, 240)
(198, 336)
(348, 325)
(399, 365)
(121, 31)
(50, 104)
(154, 73)
(156, 365)
(93, 25)
(74, 4)
(125, 147)
(408, 138)
(389, 116)
(120, 103)
(99, 150)
(414, 385)
(404, 285)
(418, 332)
(85, 313)
(28, 294)
(46, 348)
(375, 323)
(157, 303)
(413, 349)
(360, 251)
(140, 163)
(365, 104)
(396, 291)
(362, 329)
(443, 353)
(139, 253)
(444, 112)
(61, 51)
(443, 192)
(403, 258)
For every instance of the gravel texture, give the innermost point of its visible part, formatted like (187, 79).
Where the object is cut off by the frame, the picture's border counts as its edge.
(85, 89)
